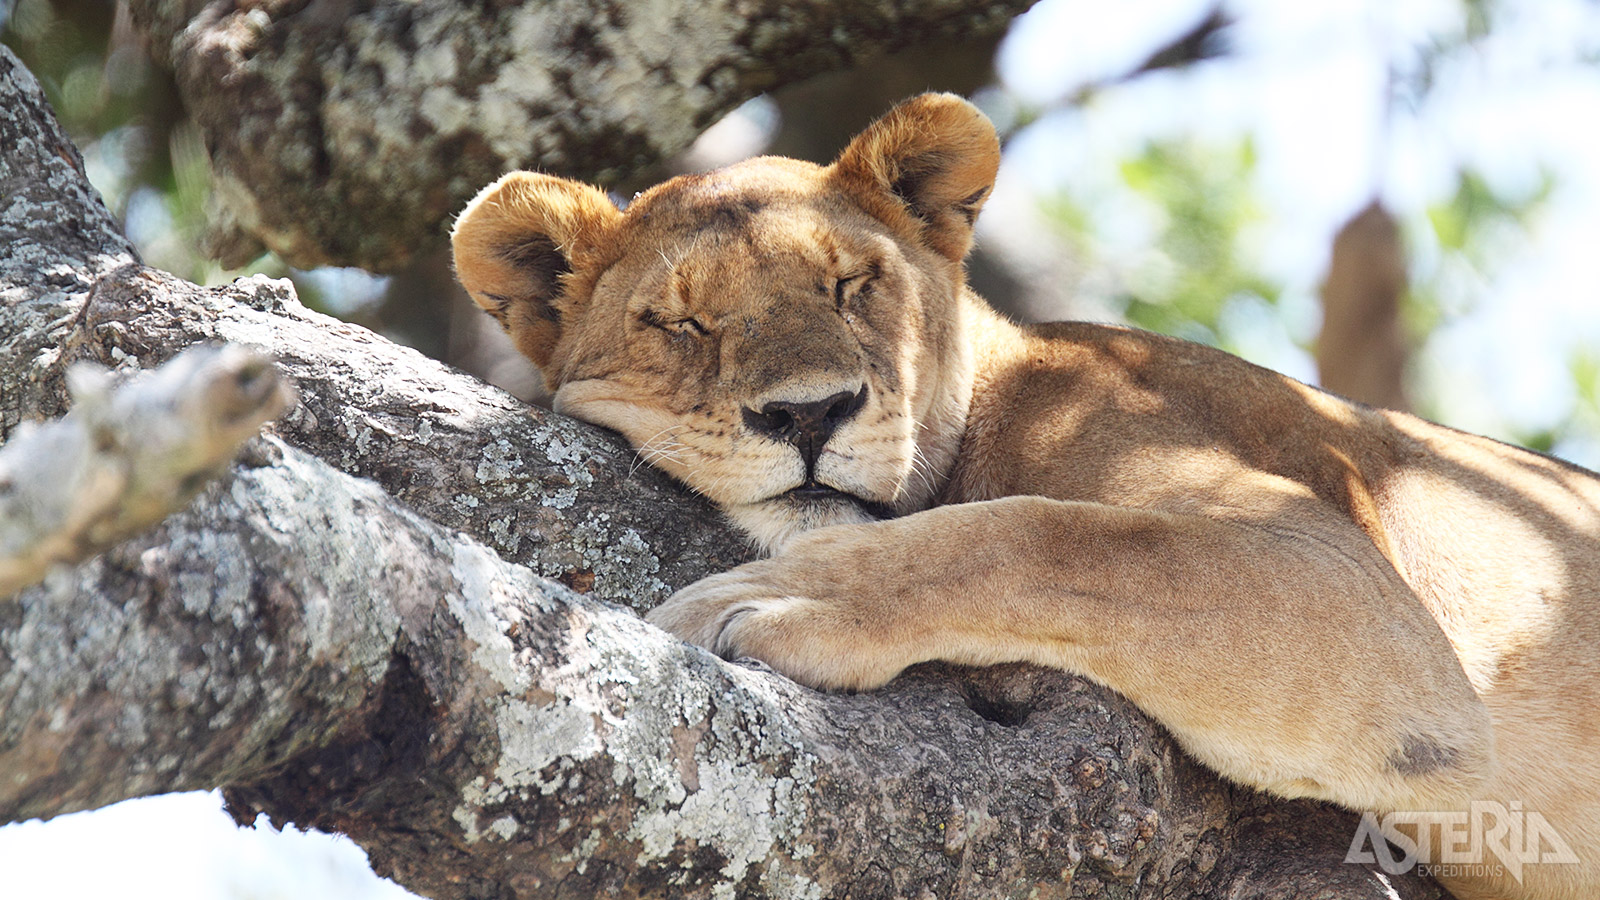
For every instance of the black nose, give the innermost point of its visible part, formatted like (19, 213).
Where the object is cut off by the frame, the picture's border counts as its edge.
(806, 425)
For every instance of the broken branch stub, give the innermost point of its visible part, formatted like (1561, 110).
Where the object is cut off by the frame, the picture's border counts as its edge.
(125, 458)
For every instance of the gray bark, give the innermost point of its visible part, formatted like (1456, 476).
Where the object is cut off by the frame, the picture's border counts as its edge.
(349, 630)
(324, 116)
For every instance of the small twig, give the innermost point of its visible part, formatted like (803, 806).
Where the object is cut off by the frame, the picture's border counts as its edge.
(124, 459)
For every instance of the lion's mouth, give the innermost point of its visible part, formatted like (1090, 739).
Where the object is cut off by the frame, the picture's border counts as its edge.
(812, 493)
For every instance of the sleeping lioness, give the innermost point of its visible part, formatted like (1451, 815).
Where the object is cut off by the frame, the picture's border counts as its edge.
(1316, 598)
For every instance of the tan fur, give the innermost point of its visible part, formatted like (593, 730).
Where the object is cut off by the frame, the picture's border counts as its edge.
(1317, 598)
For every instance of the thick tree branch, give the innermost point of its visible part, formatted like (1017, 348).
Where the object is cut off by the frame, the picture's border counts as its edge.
(56, 240)
(324, 117)
(322, 648)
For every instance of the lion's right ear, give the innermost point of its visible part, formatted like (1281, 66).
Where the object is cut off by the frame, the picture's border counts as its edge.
(516, 243)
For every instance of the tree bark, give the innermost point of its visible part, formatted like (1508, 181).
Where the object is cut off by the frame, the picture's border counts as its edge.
(324, 116)
(350, 630)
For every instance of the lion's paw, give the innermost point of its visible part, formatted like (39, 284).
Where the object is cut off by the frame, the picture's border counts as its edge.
(705, 612)
(742, 614)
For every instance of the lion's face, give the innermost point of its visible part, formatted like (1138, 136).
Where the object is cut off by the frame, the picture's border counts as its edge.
(781, 337)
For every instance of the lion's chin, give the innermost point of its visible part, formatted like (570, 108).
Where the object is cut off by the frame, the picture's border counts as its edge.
(772, 524)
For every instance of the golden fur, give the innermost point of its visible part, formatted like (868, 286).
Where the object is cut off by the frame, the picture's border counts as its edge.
(1317, 598)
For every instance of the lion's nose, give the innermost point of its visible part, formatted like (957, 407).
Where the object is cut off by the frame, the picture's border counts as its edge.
(806, 424)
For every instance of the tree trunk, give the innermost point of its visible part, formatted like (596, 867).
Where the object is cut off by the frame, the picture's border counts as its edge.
(356, 628)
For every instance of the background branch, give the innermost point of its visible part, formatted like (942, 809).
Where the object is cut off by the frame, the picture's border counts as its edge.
(321, 118)
(1362, 350)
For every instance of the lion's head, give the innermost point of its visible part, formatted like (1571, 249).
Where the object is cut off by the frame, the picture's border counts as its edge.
(782, 337)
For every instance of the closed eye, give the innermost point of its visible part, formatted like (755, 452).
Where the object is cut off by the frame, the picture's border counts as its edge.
(848, 287)
(674, 324)
(839, 288)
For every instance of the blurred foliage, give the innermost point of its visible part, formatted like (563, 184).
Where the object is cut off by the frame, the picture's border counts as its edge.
(1170, 243)
(1195, 202)
(1469, 236)
(1206, 197)
(1576, 432)
(1460, 248)
(1585, 423)
(119, 108)
(1459, 223)
(96, 75)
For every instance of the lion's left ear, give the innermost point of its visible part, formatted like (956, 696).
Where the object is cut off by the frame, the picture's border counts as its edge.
(933, 159)
(517, 245)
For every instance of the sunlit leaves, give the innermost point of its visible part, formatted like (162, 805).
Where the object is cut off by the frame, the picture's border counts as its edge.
(1196, 202)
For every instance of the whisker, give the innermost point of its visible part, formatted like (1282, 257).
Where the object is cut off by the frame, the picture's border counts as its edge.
(647, 452)
(923, 469)
(711, 488)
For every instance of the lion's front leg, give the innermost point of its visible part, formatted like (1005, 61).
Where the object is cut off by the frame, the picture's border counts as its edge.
(1297, 662)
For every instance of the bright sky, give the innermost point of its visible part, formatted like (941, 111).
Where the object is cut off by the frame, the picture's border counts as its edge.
(1307, 80)
(179, 847)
